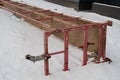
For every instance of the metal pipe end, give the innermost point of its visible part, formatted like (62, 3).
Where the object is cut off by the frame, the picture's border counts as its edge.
(27, 57)
(109, 23)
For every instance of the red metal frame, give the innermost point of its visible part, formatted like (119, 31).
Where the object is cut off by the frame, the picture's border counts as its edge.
(85, 28)
(101, 49)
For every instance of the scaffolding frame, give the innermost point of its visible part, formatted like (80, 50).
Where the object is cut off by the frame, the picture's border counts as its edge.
(85, 28)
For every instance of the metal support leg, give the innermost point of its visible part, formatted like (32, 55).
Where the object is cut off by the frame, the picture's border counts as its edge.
(104, 42)
(85, 47)
(66, 41)
(46, 62)
(100, 49)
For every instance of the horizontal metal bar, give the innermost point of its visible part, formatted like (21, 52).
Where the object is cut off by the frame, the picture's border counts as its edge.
(56, 14)
(44, 15)
(42, 10)
(40, 23)
(56, 52)
(76, 26)
(83, 27)
(27, 12)
(70, 19)
(44, 19)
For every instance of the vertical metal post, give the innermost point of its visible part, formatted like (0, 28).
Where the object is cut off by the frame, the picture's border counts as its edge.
(85, 46)
(46, 62)
(100, 49)
(104, 42)
(66, 41)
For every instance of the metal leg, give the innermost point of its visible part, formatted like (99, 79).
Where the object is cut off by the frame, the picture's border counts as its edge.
(66, 41)
(46, 62)
(104, 42)
(100, 49)
(85, 47)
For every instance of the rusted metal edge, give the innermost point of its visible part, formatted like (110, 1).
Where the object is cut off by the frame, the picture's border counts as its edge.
(45, 27)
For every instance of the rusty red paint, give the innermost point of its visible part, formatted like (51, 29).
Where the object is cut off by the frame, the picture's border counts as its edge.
(100, 49)
(85, 46)
(104, 42)
(43, 10)
(56, 52)
(44, 19)
(46, 62)
(57, 14)
(102, 35)
(66, 42)
(70, 19)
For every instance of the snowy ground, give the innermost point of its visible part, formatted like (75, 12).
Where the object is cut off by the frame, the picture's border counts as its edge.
(18, 38)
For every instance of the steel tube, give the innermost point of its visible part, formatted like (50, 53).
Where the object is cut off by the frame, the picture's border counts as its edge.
(85, 47)
(104, 42)
(100, 48)
(46, 62)
(56, 52)
(66, 42)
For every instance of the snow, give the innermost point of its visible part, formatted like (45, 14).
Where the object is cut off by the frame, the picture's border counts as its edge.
(18, 38)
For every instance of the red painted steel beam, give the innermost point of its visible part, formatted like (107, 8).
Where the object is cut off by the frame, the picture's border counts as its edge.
(56, 14)
(85, 46)
(66, 42)
(104, 42)
(108, 23)
(73, 28)
(43, 10)
(27, 9)
(70, 19)
(27, 12)
(44, 19)
(100, 48)
(27, 18)
(46, 62)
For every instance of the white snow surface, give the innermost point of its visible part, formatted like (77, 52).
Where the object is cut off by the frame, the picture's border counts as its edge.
(18, 38)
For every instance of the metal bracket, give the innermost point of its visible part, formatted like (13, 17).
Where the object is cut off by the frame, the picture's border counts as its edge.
(37, 58)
